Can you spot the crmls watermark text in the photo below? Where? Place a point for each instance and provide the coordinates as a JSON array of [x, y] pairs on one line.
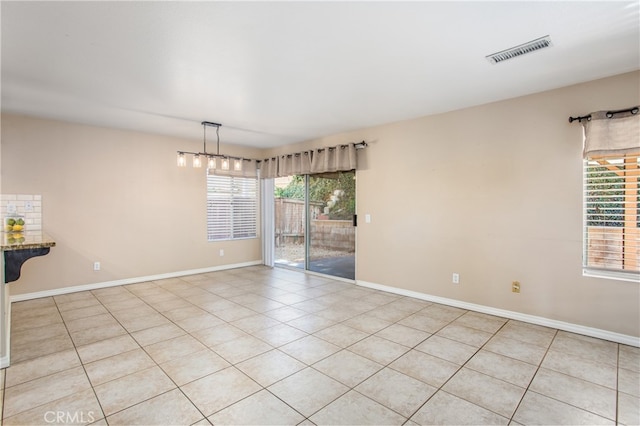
[[67, 417]]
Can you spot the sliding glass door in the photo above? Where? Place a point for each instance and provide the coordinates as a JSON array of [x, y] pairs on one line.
[[314, 223], [332, 234], [290, 221]]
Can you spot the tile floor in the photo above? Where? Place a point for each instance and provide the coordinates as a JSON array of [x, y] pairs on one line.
[[274, 346]]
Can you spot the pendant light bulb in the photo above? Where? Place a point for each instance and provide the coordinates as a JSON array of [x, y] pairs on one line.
[[211, 162], [196, 161], [225, 164], [237, 165], [182, 162]]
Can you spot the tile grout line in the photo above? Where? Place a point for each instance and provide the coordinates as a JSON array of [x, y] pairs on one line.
[[179, 388], [139, 347], [534, 375], [388, 365], [306, 366], [471, 357], [80, 359], [581, 379], [128, 334], [51, 374], [262, 388], [152, 359], [231, 365], [456, 372]]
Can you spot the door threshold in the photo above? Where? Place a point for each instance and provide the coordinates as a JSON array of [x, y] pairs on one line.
[[317, 274]]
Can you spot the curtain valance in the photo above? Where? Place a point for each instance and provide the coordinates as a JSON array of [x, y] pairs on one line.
[[269, 168], [339, 158], [611, 132], [295, 164]]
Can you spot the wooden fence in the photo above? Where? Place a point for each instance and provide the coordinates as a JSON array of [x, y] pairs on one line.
[[337, 235], [608, 247], [290, 220]]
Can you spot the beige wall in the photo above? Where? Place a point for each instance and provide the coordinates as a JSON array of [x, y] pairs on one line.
[[111, 196], [493, 193]]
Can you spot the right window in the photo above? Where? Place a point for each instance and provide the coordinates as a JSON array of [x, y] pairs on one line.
[[612, 219]]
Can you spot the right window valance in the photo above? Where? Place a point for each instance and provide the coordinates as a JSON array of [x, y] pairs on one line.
[[612, 193], [611, 132]]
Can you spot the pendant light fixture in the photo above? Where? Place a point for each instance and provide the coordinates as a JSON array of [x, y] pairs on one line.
[[182, 161], [226, 163]]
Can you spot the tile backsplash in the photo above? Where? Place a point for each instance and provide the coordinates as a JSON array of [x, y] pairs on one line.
[[29, 206]]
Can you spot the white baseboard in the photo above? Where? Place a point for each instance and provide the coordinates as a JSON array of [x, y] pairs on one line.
[[125, 281], [5, 360], [546, 322]]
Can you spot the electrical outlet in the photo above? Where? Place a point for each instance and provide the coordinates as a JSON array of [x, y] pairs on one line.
[[11, 208], [28, 206], [96, 266], [221, 252], [515, 286], [455, 278]]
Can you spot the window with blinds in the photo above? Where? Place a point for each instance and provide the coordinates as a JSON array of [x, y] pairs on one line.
[[232, 205], [612, 222]]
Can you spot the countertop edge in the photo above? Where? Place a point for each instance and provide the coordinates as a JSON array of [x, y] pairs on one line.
[[33, 240]]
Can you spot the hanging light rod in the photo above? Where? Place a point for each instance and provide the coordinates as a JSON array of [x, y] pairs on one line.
[[226, 162], [211, 124]]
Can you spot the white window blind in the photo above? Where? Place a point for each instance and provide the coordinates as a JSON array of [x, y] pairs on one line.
[[232, 204], [612, 223]]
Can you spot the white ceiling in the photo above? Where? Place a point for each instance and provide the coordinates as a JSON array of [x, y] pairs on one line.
[[275, 73]]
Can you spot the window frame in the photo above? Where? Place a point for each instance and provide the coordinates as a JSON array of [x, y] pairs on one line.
[[234, 193], [629, 198]]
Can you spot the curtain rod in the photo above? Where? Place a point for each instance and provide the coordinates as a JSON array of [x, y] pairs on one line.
[[357, 145], [609, 114], [584, 117]]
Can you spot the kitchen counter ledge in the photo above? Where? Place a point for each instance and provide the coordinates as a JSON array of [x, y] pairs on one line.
[[32, 240], [17, 248]]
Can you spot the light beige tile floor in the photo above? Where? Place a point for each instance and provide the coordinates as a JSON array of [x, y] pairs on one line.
[[274, 346]]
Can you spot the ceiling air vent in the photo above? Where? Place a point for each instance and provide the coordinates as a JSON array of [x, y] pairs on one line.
[[531, 46]]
